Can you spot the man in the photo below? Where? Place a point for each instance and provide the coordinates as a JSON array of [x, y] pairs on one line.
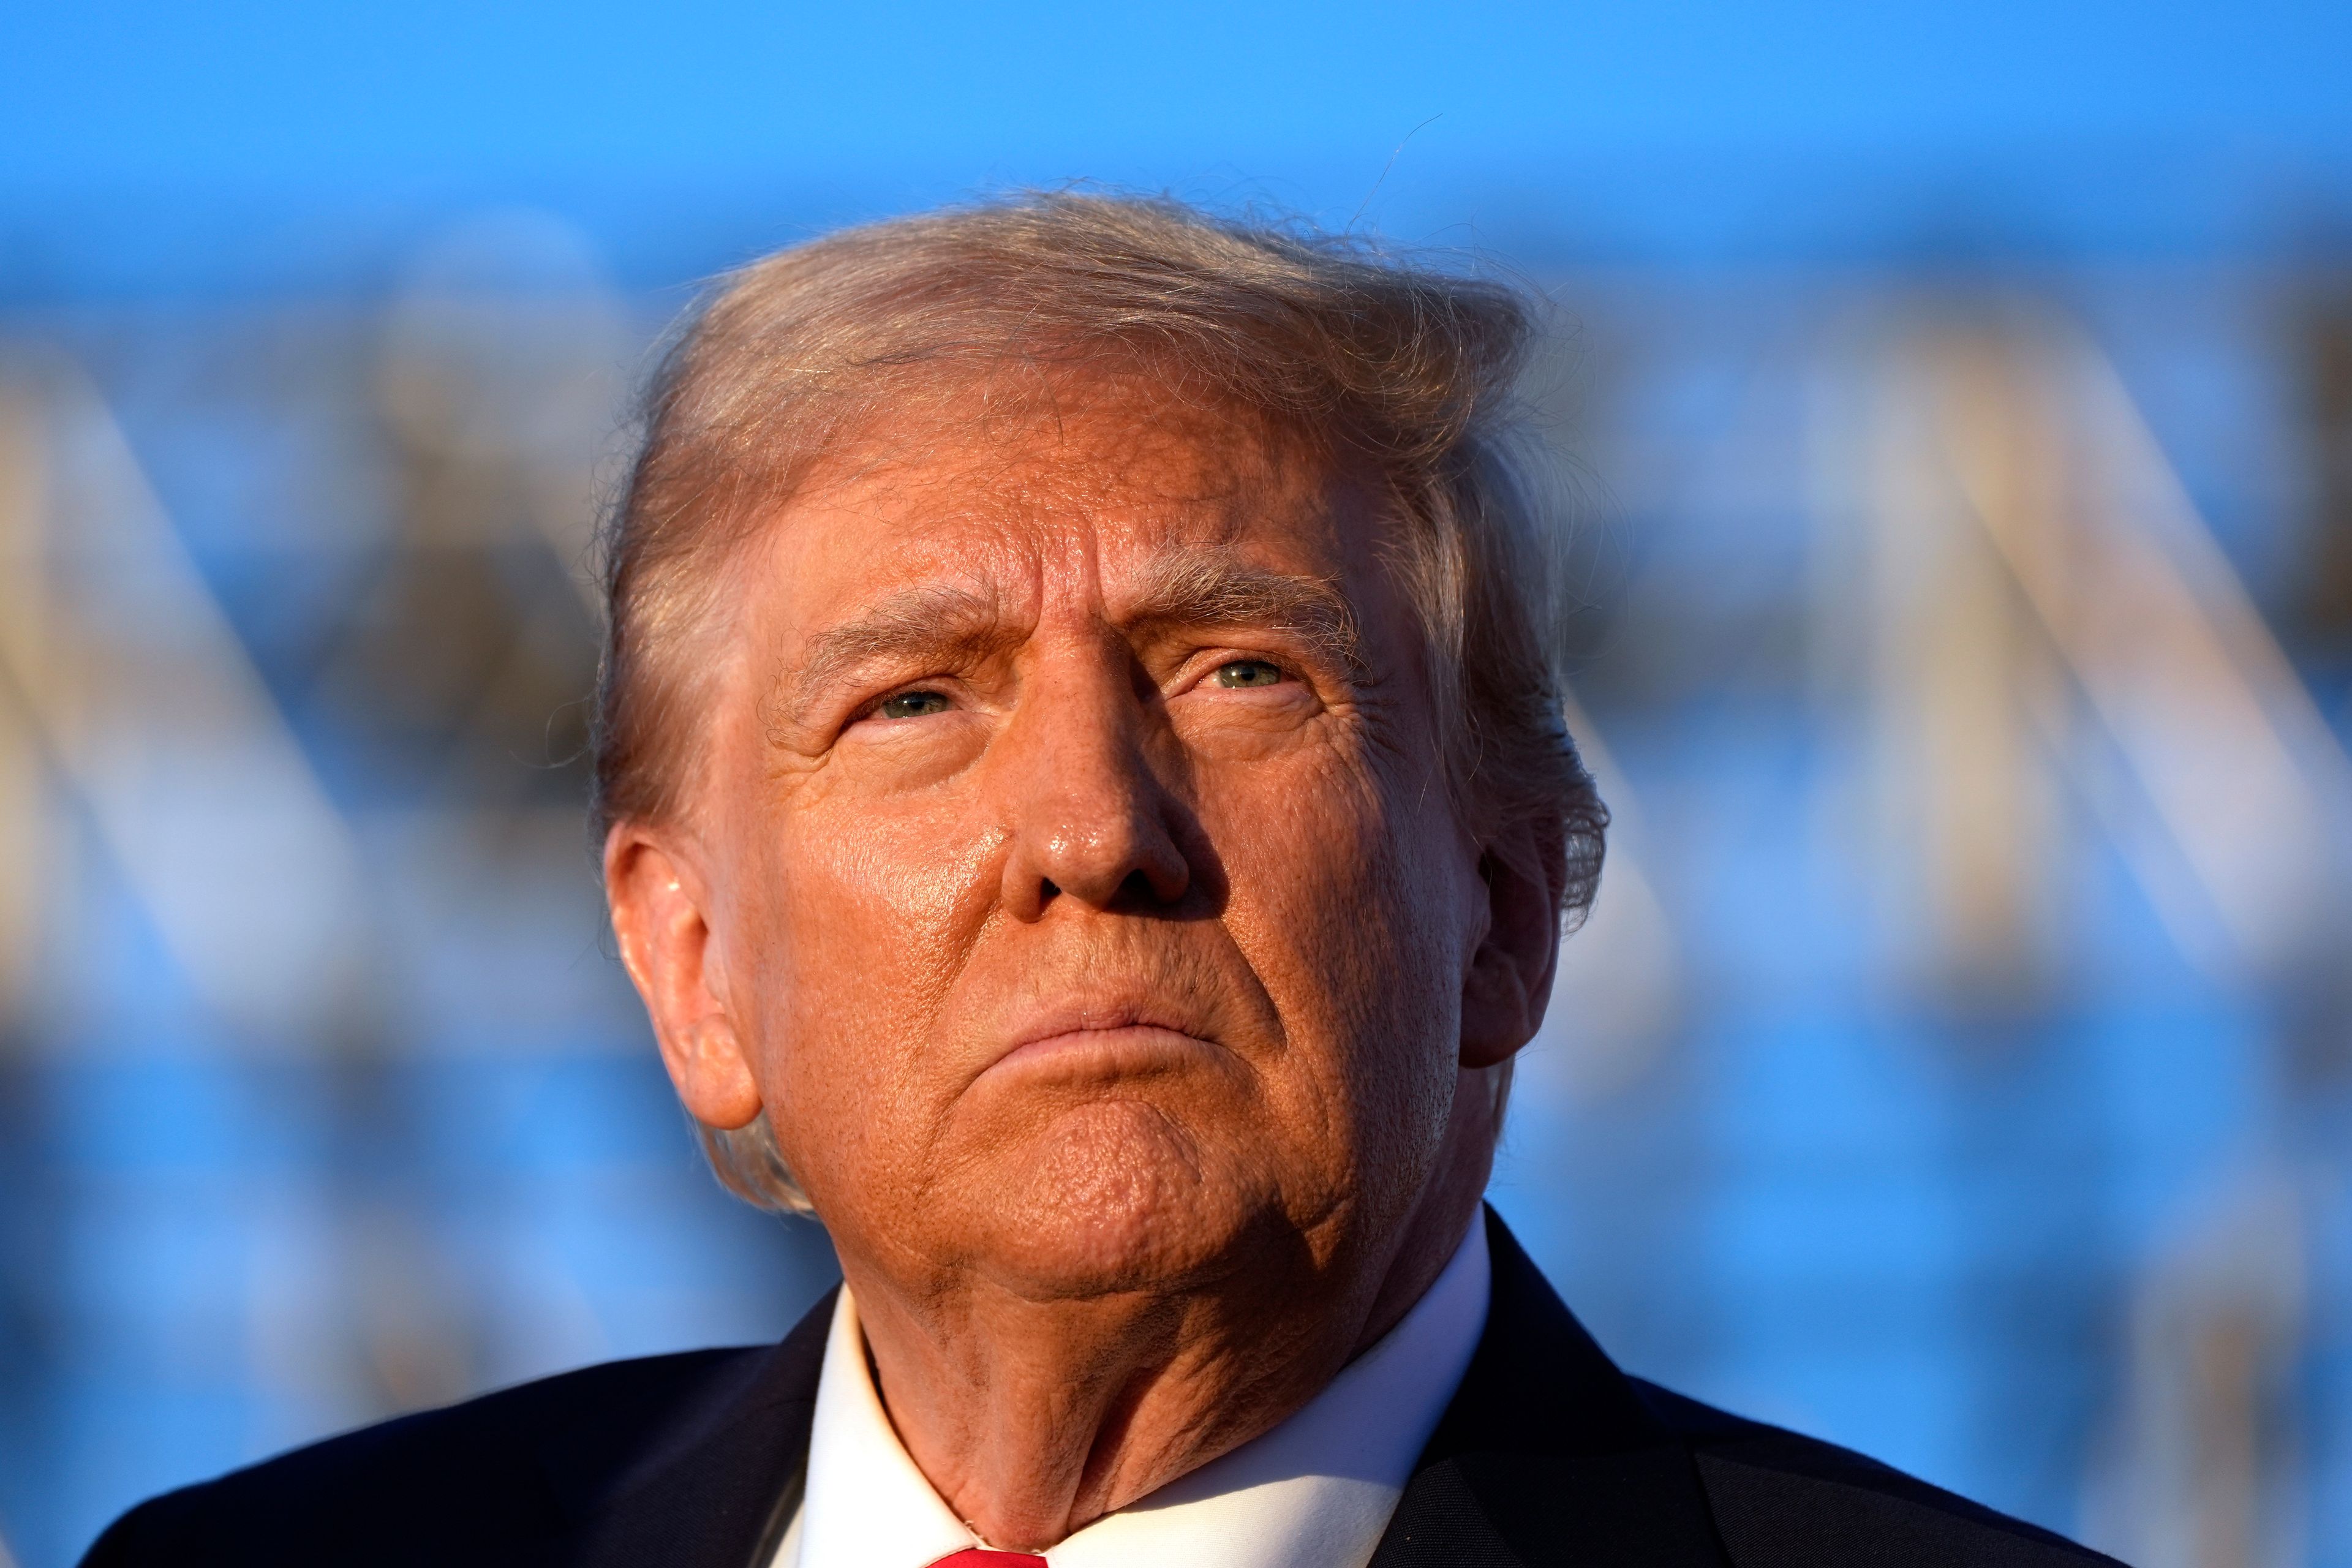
[[1086, 805]]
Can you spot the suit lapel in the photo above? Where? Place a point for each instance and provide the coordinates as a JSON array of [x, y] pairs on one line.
[[1547, 1453], [715, 1484]]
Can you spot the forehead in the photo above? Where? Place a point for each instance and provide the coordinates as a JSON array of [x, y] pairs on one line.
[[1079, 481]]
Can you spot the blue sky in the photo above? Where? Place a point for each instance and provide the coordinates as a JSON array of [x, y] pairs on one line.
[[148, 145]]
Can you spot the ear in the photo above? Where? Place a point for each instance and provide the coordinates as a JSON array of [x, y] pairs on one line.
[[661, 918], [1509, 983]]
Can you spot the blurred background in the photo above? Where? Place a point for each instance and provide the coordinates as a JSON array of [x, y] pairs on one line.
[[1958, 1064]]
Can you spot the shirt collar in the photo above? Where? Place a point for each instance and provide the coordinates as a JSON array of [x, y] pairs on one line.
[[1318, 1487]]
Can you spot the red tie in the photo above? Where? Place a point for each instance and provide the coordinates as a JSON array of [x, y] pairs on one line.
[[981, 1557]]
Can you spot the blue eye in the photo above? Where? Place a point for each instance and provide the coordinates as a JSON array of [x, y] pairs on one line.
[[1248, 672], [912, 705]]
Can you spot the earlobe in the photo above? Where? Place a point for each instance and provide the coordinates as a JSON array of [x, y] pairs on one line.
[[713, 1074], [1509, 983], [661, 919]]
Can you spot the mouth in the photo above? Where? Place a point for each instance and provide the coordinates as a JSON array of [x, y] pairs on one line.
[[1099, 1045]]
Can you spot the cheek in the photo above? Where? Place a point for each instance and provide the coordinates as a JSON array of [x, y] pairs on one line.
[[1347, 903], [865, 919], [1329, 857]]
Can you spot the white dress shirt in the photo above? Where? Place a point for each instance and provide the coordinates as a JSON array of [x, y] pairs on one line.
[[1315, 1492]]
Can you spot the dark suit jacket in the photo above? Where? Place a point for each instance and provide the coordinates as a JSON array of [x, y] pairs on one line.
[[1548, 1454]]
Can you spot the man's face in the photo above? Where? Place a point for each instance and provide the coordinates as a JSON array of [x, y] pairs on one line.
[[1082, 883]]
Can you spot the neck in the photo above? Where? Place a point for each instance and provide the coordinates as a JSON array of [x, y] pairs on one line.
[[1032, 1418]]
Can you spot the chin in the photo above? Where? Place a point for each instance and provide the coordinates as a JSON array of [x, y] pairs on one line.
[[1112, 1197]]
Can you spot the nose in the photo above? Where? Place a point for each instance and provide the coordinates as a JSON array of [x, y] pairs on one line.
[[1087, 817]]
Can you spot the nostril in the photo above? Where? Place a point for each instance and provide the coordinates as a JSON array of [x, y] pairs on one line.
[[1138, 892], [1045, 888]]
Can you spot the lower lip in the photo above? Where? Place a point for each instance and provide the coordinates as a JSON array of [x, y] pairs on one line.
[[1134, 1050]]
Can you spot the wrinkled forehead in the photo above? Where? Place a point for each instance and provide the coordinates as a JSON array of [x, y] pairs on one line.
[[1074, 486]]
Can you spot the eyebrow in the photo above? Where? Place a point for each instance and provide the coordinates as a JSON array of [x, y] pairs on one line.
[[933, 624], [1211, 588], [941, 625]]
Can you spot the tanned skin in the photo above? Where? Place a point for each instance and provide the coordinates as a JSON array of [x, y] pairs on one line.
[[1069, 874]]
